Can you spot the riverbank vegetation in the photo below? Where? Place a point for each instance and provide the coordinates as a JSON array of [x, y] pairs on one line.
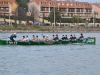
[[23, 28]]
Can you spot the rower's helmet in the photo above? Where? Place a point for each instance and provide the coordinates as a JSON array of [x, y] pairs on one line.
[[14, 33]]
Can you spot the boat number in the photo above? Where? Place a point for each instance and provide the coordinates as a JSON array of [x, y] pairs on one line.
[[90, 40], [11, 43]]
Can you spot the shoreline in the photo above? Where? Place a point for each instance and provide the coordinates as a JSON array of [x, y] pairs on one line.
[[32, 31]]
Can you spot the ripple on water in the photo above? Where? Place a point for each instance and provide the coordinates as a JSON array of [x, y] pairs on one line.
[[51, 59]]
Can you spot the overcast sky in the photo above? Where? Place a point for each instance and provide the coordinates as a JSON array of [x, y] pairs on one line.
[[93, 1]]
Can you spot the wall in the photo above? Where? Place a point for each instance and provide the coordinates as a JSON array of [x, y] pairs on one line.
[[14, 7]]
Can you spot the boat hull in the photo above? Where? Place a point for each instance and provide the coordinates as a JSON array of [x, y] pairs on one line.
[[85, 41]]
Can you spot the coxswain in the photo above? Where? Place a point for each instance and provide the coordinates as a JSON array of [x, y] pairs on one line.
[[13, 36]]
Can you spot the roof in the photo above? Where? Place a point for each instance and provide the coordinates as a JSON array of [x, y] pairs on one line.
[[97, 4], [67, 4], [11, 1], [63, 4], [8, 1]]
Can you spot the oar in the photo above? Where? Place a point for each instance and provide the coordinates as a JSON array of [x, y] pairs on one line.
[[4, 38]]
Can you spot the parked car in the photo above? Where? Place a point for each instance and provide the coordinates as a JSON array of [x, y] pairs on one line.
[[82, 25], [2, 22], [47, 24], [37, 23], [30, 23]]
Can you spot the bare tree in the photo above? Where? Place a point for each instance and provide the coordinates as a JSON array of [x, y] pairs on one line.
[[34, 14]]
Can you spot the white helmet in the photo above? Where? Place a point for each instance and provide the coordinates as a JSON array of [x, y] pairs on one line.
[[15, 33]]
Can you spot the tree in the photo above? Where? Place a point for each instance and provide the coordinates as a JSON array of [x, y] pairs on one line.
[[57, 16], [23, 3], [33, 13], [74, 19]]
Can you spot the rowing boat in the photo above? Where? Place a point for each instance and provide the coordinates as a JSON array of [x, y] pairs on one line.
[[84, 41]]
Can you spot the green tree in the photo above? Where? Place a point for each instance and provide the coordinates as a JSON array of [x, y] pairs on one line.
[[57, 16], [22, 3], [74, 19]]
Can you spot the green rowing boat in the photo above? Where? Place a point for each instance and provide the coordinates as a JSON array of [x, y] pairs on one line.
[[85, 41]]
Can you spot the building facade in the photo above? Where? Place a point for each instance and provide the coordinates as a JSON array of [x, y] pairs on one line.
[[8, 6], [68, 9]]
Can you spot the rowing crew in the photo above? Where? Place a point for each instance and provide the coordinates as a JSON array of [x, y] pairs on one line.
[[54, 37]]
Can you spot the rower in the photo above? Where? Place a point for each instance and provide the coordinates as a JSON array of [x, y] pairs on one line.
[[56, 38], [81, 36], [63, 38], [53, 36], [26, 39], [36, 39], [71, 37], [13, 36], [74, 37], [46, 38], [43, 39], [23, 39], [33, 39]]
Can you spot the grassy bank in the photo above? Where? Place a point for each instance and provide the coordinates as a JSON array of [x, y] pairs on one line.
[[22, 28]]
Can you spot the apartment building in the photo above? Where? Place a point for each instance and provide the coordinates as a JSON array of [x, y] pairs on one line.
[[8, 6], [67, 9], [96, 9]]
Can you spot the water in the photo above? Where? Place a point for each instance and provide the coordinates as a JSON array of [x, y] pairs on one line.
[[50, 60]]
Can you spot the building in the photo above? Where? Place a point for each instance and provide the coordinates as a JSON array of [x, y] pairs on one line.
[[96, 9], [8, 6], [67, 8]]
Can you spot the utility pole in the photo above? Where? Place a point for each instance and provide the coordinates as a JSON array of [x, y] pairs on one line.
[[9, 12], [54, 15], [93, 16]]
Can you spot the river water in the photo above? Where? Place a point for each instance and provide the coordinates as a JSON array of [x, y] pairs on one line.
[[51, 59]]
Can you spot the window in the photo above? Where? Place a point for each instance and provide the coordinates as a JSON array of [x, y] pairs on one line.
[[1, 8], [7, 8], [1, 2], [43, 9]]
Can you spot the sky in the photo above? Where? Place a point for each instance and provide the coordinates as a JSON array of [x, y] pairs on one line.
[[93, 1]]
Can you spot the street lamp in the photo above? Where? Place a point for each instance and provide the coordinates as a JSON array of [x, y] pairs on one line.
[[93, 16], [54, 15], [67, 11], [9, 12]]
